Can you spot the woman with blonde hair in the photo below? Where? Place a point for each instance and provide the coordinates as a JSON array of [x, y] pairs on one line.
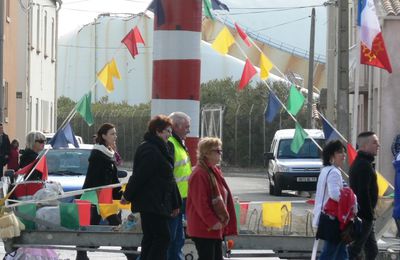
[[209, 207]]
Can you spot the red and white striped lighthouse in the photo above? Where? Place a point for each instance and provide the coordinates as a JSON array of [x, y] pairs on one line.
[[177, 62]]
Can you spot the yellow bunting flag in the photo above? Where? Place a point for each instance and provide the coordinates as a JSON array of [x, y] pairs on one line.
[[383, 184], [223, 41], [107, 73], [276, 214], [265, 66], [107, 210]]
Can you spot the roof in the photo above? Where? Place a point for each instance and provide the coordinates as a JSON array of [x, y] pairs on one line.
[[391, 7], [289, 133]]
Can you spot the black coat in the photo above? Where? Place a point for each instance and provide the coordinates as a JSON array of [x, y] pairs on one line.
[[27, 157], [102, 170], [363, 182], [152, 187], [4, 148]]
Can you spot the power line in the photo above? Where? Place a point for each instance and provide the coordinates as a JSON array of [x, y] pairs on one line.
[[281, 24], [274, 9]]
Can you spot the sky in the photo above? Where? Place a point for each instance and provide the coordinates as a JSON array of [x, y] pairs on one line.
[[280, 21]]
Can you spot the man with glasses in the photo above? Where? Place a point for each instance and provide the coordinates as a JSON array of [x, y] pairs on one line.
[[4, 148], [182, 170]]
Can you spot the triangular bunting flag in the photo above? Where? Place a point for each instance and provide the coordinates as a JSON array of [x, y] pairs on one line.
[[106, 75], [273, 107], [90, 196], [265, 66], [223, 41], [242, 35], [329, 133], [207, 9], [69, 217], [157, 8], [295, 101], [132, 39], [63, 137], [351, 154], [248, 72], [105, 196], [298, 140], [84, 211], [217, 5], [84, 108]]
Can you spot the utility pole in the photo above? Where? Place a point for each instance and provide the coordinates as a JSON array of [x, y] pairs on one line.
[[331, 60], [311, 71], [343, 121]]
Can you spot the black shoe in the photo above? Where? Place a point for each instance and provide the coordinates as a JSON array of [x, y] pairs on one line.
[[81, 255]]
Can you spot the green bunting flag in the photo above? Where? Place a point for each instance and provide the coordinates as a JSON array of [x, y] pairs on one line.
[[298, 140], [83, 107], [295, 101], [69, 216], [207, 9], [90, 196], [30, 210]]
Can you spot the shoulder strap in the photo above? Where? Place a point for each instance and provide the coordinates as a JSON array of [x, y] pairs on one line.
[[325, 186]]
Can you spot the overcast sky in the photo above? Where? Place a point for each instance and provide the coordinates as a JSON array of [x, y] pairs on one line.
[[286, 21]]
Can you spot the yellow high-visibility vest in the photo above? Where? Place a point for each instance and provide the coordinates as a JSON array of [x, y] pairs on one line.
[[182, 167]]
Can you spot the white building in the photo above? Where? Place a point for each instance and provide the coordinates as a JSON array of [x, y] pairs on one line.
[[36, 92]]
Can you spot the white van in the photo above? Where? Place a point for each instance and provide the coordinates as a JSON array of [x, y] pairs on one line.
[[289, 171]]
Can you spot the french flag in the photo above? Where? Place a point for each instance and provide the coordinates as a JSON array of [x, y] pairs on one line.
[[373, 49]]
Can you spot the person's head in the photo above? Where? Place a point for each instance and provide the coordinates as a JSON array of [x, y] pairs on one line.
[[14, 143], [35, 140], [161, 126], [334, 153], [180, 124], [209, 150], [106, 135], [368, 142]]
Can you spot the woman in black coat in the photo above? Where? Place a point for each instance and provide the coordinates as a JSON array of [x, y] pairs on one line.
[[152, 188]]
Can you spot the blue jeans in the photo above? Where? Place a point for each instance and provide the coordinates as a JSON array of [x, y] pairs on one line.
[[175, 251], [333, 251]]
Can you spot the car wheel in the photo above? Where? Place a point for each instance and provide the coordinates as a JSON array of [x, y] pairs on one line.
[[277, 187]]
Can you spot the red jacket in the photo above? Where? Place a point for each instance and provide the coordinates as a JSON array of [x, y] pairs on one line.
[[199, 211], [345, 210]]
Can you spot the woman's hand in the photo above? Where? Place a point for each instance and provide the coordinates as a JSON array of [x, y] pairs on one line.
[[217, 226], [123, 201], [175, 212]]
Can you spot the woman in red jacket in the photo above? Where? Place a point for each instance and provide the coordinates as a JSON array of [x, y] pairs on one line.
[[209, 207]]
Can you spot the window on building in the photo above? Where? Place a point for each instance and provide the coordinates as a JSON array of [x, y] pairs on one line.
[[38, 29], [31, 41], [45, 36], [8, 11], [53, 40]]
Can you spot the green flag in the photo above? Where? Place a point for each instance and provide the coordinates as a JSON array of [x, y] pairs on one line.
[[69, 217], [84, 108], [30, 210], [90, 196], [295, 101], [298, 140], [207, 9]]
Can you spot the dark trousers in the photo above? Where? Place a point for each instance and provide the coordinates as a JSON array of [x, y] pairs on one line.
[[208, 249], [366, 242], [156, 236]]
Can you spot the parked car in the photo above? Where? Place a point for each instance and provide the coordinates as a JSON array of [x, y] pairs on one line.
[[290, 171], [68, 166]]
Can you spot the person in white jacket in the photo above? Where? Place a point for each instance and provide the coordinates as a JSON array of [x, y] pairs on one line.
[[330, 182]]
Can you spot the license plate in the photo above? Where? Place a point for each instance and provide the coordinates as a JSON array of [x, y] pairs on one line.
[[306, 179]]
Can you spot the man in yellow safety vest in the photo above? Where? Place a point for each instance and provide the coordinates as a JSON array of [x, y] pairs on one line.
[[182, 170]]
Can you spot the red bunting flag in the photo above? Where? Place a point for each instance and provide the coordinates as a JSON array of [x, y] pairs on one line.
[[84, 207], [244, 208], [132, 39], [242, 35], [105, 196], [351, 153], [40, 167], [248, 72]]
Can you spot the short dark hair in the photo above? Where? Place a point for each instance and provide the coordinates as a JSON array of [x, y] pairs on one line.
[[330, 149], [158, 124], [103, 131], [366, 134]]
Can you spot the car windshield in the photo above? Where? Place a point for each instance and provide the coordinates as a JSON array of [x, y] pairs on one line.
[[67, 161], [308, 150]]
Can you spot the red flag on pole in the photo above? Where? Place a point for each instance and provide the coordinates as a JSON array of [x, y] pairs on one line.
[[351, 153], [242, 35], [248, 72], [40, 167], [132, 39]]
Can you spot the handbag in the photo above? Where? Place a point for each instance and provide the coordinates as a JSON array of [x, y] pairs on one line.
[[328, 226], [352, 231], [217, 202]]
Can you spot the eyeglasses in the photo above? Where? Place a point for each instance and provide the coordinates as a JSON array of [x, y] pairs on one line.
[[40, 141], [219, 151], [169, 130]]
